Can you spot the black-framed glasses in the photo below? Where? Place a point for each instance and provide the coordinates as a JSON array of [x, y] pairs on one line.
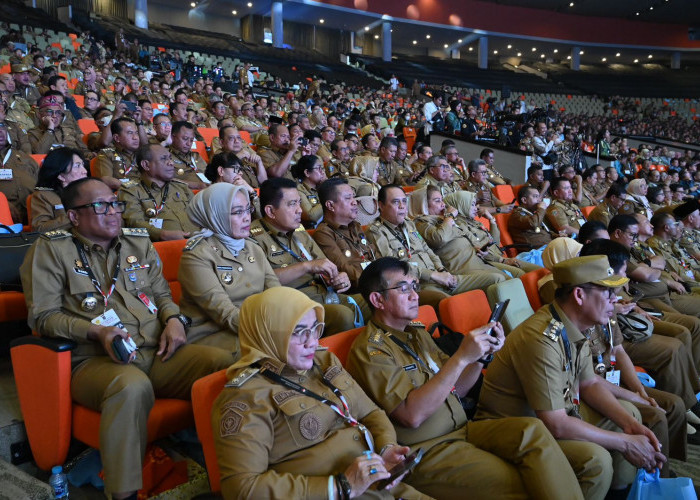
[[609, 292], [634, 236], [102, 207], [404, 287]]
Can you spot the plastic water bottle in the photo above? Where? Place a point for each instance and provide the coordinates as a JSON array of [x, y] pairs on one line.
[[59, 482]]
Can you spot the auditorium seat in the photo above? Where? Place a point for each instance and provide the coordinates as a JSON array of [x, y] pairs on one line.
[[204, 393], [530, 283], [170, 253], [465, 311], [340, 343]]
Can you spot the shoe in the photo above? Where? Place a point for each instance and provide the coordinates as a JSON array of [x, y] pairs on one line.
[[692, 418], [690, 429]]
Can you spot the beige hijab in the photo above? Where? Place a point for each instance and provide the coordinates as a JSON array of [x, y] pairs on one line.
[[364, 166], [418, 203], [462, 201], [558, 250], [267, 320], [210, 209]]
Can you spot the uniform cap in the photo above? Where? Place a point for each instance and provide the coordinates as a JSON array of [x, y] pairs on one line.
[[687, 208], [593, 269], [19, 68]]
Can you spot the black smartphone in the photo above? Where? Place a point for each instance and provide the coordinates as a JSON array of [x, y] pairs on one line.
[[130, 106], [303, 141], [120, 349], [496, 316], [485, 247], [406, 466]]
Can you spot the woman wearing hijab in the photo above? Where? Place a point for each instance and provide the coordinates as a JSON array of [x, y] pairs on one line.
[[558, 250], [309, 173], [219, 269], [438, 225], [637, 202], [291, 422]]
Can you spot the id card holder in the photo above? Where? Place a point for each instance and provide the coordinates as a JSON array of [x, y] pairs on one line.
[[108, 318], [203, 178], [124, 181], [613, 377], [363, 265], [5, 174], [157, 223], [147, 302], [581, 222]]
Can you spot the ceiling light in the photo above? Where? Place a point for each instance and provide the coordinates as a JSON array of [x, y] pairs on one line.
[[520, 54], [193, 5], [366, 28], [234, 12], [446, 45], [534, 49], [617, 55], [510, 46], [541, 56], [580, 53], [495, 52], [321, 21], [568, 58], [604, 59], [427, 36], [571, 4], [650, 56], [636, 13], [459, 41], [415, 42], [250, 4], [636, 60], [471, 48], [556, 51], [376, 37], [651, 8]]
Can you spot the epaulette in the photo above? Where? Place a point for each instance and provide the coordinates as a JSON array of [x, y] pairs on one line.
[[301, 228], [43, 189], [376, 338], [243, 377], [192, 242], [254, 231], [130, 183], [417, 324], [178, 181], [377, 223], [56, 234], [553, 330], [134, 231]]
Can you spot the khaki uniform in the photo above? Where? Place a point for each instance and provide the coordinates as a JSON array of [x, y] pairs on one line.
[[690, 242], [406, 172], [532, 373], [406, 243], [29, 93], [270, 156], [18, 112], [215, 283], [42, 139], [529, 228], [603, 213], [444, 187], [633, 206], [347, 247], [564, 213], [273, 442], [339, 317], [55, 287], [325, 152], [118, 163], [19, 173], [337, 167], [590, 196], [311, 208], [188, 165], [18, 137], [495, 177], [677, 259], [666, 422], [47, 212], [81, 88], [484, 195], [389, 173], [365, 166], [461, 175], [144, 197], [485, 456]]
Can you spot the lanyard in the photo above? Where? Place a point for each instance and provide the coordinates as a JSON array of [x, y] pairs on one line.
[[158, 208], [564, 336], [354, 245], [7, 156], [405, 241], [91, 275], [285, 247], [527, 212], [343, 412]]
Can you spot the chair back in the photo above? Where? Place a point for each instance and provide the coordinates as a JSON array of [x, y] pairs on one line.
[[340, 343], [465, 311], [519, 308], [170, 253], [530, 283]]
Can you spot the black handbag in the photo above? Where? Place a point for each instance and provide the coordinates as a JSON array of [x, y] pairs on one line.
[[13, 248], [448, 341]]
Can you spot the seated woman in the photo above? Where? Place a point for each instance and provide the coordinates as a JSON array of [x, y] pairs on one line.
[[274, 441], [219, 268], [637, 202], [309, 173], [60, 167], [438, 226], [656, 198], [227, 167], [558, 250]]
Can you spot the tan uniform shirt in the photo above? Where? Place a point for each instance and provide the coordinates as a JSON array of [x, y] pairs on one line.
[[653, 289], [677, 258], [311, 209], [529, 227], [188, 165], [29, 93], [118, 163], [215, 283], [337, 167], [47, 212], [18, 137], [149, 206], [690, 242], [17, 180], [444, 187], [484, 195], [42, 139], [346, 246], [18, 112], [560, 214], [603, 213], [56, 283], [270, 156]]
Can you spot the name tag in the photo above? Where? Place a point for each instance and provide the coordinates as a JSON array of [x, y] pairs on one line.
[[58, 207], [124, 181], [203, 178], [410, 367], [108, 318], [157, 223], [581, 222], [363, 265], [689, 274], [613, 377], [5, 174]]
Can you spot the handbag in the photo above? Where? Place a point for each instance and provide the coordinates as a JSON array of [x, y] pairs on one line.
[[634, 327], [367, 210], [13, 248], [649, 486]]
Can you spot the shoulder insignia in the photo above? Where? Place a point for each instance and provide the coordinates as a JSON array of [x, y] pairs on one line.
[[376, 338], [192, 242], [178, 181], [56, 234], [242, 377], [377, 353], [254, 231], [377, 223], [332, 372], [231, 418], [134, 231], [553, 330], [301, 229], [417, 324], [131, 183], [283, 396]]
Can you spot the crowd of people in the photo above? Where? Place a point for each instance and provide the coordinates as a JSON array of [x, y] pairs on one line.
[[310, 214]]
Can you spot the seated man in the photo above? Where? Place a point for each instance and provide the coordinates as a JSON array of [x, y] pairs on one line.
[[665, 242], [478, 183], [157, 202], [188, 164], [439, 175], [252, 169], [402, 370], [68, 277], [50, 131], [339, 164], [296, 259], [283, 151], [388, 168], [562, 215], [495, 177], [545, 370], [535, 179], [526, 223], [340, 236], [118, 164], [395, 236], [689, 214], [19, 175], [614, 199]]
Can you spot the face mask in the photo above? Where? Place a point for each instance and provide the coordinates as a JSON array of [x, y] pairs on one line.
[[106, 120]]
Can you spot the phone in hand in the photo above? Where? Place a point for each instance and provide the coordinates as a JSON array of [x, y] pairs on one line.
[[406, 466], [496, 316], [130, 106], [485, 247]]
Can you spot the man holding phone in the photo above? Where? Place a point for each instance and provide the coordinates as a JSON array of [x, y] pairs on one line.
[[402, 370]]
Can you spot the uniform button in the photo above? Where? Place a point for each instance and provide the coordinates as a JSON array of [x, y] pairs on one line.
[[302, 379], [324, 394], [302, 405], [356, 437]]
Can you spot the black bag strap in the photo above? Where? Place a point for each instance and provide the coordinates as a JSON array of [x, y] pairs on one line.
[[442, 328]]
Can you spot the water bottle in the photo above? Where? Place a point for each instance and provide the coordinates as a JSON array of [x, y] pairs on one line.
[[59, 482]]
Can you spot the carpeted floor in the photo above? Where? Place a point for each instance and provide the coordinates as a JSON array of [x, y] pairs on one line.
[[690, 468]]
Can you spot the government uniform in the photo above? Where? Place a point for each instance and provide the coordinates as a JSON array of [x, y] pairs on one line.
[[678, 260], [564, 213], [337, 167], [273, 442], [17, 137], [43, 140], [47, 211], [18, 173], [346, 246], [530, 228], [29, 93], [62, 301], [18, 112], [444, 187], [188, 166], [458, 454], [532, 372], [340, 316], [156, 208], [215, 283], [271, 156], [311, 208], [118, 163], [460, 176], [603, 212], [484, 195], [405, 243], [690, 242], [389, 172]]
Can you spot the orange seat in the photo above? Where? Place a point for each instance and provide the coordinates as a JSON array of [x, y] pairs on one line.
[[504, 192], [340, 343], [586, 211], [204, 393], [79, 100], [208, 135], [170, 253], [93, 167], [5, 214], [484, 222], [516, 189], [12, 306], [409, 133], [38, 159], [87, 125], [246, 137], [465, 311], [29, 210], [530, 283], [5, 69], [201, 148], [506, 238], [427, 315], [408, 189], [42, 372]]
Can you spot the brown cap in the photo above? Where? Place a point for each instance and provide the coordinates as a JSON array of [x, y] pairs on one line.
[[593, 269], [19, 68], [687, 208]]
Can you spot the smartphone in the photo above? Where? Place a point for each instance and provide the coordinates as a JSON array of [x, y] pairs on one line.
[[485, 247], [496, 316], [130, 106], [406, 466], [303, 141]]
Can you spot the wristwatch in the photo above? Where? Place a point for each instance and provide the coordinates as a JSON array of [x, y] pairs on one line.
[[498, 210], [186, 322]]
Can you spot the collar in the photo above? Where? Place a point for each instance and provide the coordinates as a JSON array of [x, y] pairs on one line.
[[89, 245], [406, 335], [392, 226], [572, 331]]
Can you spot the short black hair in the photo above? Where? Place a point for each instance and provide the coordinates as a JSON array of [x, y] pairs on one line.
[[621, 222], [617, 253], [525, 190], [55, 78], [615, 189], [372, 278], [71, 193], [660, 218], [271, 191], [224, 160], [365, 139], [311, 134], [328, 190], [485, 152], [589, 229], [381, 197], [474, 165], [532, 169], [388, 142], [179, 125], [144, 153], [306, 162], [556, 182], [116, 125], [56, 162]]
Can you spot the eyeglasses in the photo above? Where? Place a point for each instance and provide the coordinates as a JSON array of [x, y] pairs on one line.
[[102, 207], [242, 211], [608, 292], [404, 287], [304, 335], [634, 236]]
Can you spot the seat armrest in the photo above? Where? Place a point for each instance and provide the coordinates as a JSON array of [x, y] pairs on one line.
[[53, 344]]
